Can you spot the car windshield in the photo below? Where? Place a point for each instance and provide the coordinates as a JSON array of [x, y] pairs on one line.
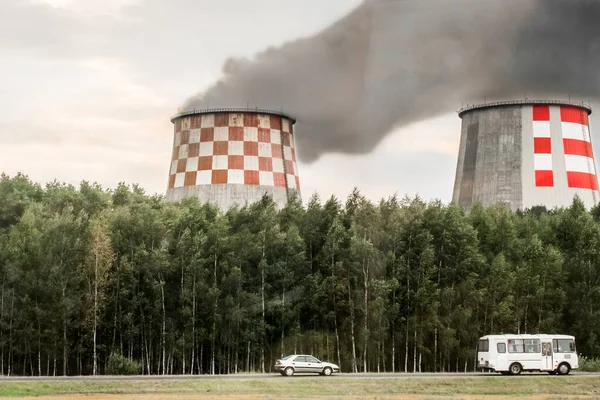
[[286, 357]]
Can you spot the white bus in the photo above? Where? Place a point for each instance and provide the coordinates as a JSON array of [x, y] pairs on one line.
[[512, 354]]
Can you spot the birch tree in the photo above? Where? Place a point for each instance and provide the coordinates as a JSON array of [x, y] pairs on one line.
[[98, 261]]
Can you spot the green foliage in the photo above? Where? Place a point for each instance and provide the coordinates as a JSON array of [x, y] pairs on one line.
[[120, 365], [88, 275], [589, 364]]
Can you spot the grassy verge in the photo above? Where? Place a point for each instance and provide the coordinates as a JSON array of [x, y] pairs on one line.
[[302, 387]]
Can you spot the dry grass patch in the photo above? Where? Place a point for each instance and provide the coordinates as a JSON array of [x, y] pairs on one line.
[[532, 387]]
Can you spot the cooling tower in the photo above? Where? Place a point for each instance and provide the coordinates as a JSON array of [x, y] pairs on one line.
[[233, 157], [524, 154]]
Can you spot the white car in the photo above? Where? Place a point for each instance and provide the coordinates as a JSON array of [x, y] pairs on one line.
[[304, 364]]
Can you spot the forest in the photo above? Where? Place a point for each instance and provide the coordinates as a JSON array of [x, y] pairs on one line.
[[400, 285]]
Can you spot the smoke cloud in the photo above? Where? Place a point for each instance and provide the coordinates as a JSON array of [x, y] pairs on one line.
[[389, 63]]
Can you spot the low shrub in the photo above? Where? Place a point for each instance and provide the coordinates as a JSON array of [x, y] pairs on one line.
[[121, 365], [589, 364]]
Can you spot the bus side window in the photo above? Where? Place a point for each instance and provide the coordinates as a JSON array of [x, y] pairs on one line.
[[516, 346], [532, 346], [501, 347]]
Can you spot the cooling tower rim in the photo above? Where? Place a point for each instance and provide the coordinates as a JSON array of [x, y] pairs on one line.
[[579, 104], [232, 110]]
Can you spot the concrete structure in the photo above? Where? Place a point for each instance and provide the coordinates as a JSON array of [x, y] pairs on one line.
[[524, 154], [233, 157]]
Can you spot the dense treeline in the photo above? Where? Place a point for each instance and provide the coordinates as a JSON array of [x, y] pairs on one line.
[[182, 288]]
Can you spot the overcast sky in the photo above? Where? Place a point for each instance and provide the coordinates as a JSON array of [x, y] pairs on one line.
[[87, 89]]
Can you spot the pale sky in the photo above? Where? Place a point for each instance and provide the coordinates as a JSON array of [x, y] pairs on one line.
[[87, 89]]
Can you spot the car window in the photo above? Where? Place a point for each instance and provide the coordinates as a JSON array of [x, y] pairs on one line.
[[300, 359], [312, 359]]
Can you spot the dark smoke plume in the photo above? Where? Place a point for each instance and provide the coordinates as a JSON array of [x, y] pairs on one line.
[[393, 62]]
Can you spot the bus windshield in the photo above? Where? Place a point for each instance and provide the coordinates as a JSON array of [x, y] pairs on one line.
[[564, 345]]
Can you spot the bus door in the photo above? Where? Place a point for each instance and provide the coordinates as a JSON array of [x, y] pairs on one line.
[[547, 362]]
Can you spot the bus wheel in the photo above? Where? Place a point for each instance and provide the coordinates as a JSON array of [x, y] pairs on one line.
[[564, 369], [515, 369]]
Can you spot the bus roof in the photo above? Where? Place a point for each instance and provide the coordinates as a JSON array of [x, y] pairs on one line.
[[528, 336]]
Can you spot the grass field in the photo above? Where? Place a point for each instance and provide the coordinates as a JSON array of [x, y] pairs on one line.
[[337, 387]]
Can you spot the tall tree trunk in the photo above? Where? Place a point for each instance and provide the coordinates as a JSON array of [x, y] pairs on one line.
[[393, 351], [437, 314], [201, 359], [541, 304], [378, 357], [65, 353], [283, 308], [248, 359], [337, 342], [116, 317], [95, 313], [213, 348], [352, 335], [39, 352], [525, 317], [406, 350], [435, 352], [193, 323], [79, 354], [282, 319], [183, 351], [335, 318], [143, 356], [383, 356], [262, 298], [415, 350], [214, 327], [164, 324], [366, 312], [407, 307], [236, 359], [146, 345]]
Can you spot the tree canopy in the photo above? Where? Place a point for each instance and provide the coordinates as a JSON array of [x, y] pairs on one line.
[[182, 288]]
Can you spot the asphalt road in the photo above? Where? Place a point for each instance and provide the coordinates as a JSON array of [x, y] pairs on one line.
[[277, 376]]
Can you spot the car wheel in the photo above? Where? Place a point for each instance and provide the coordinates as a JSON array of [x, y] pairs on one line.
[[289, 371], [564, 369], [327, 371], [515, 369]]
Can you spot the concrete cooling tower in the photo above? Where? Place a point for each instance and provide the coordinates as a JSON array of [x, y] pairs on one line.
[[233, 157], [524, 154]]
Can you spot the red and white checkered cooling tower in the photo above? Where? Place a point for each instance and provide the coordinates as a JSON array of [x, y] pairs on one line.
[[233, 157], [526, 153]]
